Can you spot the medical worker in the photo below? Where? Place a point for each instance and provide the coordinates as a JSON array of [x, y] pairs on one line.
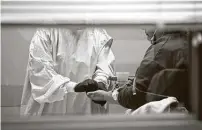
[[162, 73], [63, 66]]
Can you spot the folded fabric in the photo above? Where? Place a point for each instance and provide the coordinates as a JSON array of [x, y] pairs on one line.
[[166, 105]]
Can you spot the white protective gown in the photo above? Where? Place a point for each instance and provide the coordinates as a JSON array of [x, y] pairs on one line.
[[60, 58]]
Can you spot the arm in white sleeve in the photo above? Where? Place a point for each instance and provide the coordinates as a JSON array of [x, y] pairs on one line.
[[104, 66], [47, 85]]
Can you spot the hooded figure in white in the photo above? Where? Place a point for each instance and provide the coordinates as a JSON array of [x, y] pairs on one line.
[[59, 59]]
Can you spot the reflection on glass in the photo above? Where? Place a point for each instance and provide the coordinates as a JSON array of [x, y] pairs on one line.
[[79, 70]]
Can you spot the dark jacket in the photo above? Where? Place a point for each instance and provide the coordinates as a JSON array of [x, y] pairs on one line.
[[163, 70]]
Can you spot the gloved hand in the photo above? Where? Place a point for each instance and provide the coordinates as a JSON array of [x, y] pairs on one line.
[[86, 86], [101, 95], [101, 86], [90, 85]]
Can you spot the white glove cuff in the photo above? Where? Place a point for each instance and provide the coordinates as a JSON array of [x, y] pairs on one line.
[[70, 86], [115, 94]]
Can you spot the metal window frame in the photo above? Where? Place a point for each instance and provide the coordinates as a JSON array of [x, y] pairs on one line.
[[196, 73], [112, 122], [96, 12]]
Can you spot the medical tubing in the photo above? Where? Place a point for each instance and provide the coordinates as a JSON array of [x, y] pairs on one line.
[[145, 92]]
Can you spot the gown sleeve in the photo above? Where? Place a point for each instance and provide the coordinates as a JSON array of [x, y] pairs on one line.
[[105, 63], [47, 85], [133, 96]]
